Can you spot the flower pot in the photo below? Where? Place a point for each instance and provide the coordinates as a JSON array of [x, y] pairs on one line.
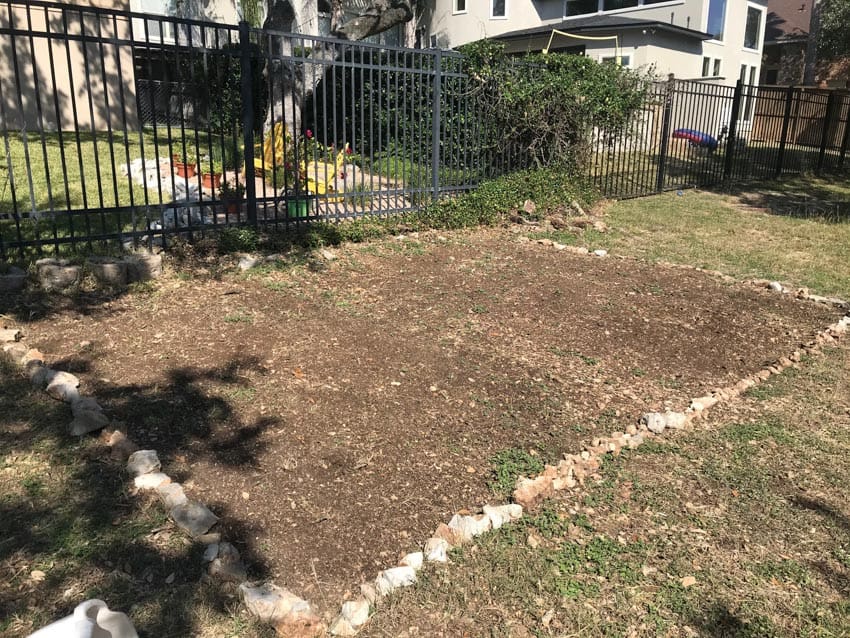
[[211, 180], [231, 206], [300, 207], [184, 170]]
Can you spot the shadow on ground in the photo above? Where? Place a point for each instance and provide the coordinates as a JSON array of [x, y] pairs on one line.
[[66, 513]]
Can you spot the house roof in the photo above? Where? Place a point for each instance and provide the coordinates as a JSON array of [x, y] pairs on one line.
[[603, 23], [787, 20]]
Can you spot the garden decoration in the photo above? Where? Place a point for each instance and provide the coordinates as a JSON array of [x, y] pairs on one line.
[[696, 138]]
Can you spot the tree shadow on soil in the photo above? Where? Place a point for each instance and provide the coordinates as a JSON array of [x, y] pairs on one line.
[[719, 622], [78, 522]]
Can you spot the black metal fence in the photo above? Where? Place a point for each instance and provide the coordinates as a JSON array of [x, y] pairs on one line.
[[701, 134], [126, 128]]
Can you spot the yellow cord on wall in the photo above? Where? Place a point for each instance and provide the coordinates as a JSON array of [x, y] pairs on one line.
[[617, 57]]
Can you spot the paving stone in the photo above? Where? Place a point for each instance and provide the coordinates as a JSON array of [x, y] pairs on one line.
[[192, 517], [356, 611]]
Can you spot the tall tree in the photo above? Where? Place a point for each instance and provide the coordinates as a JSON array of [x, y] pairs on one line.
[[292, 84]]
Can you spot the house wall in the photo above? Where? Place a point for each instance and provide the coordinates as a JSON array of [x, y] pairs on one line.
[[45, 80], [667, 52]]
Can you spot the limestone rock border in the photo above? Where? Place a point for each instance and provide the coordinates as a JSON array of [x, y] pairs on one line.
[[294, 616]]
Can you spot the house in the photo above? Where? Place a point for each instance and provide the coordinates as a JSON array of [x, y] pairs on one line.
[[715, 40], [785, 40]]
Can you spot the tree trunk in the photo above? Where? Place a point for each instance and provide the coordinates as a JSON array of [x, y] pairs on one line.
[[292, 83], [811, 63]]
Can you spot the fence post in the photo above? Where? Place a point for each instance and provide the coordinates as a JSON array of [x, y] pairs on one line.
[[846, 139], [731, 138], [435, 125], [666, 122], [827, 122], [786, 124], [246, 90]]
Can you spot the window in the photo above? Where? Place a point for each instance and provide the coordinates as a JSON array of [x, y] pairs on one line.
[[771, 77], [580, 7], [613, 5], [587, 7], [716, 18], [710, 67], [498, 9], [460, 6], [624, 60], [752, 34]]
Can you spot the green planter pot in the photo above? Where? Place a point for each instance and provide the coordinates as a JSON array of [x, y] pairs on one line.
[[299, 207]]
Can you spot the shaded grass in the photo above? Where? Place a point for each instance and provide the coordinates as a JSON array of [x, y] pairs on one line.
[[65, 511], [715, 232]]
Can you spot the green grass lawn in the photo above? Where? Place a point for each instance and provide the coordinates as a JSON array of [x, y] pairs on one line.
[[739, 234]]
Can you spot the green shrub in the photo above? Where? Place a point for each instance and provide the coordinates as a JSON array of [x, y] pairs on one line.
[[232, 240]]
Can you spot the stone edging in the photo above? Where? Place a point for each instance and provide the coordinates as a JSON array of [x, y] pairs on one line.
[[294, 616]]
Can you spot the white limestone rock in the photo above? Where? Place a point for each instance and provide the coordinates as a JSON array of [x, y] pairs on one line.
[[151, 480], [414, 560], [501, 514], [436, 550], [394, 578], [468, 527], [273, 604], [142, 462], [171, 495], [194, 518]]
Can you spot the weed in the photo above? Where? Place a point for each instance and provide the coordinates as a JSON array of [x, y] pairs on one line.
[[238, 317], [508, 466]]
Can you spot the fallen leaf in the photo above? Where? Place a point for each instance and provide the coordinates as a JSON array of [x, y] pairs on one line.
[[37, 575], [298, 373], [170, 578], [687, 581]]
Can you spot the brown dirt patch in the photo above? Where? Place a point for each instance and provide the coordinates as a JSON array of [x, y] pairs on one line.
[[335, 416]]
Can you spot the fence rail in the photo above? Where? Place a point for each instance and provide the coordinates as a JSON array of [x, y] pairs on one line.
[[105, 114]]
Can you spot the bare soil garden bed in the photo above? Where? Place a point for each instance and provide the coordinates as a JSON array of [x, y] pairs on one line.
[[335, 412]]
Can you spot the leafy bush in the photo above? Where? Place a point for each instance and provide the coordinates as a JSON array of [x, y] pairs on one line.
[[232, 240], [540, 110]]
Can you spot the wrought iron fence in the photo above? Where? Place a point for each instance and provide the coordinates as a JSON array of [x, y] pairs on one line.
[[125, 128], [701, 134]]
